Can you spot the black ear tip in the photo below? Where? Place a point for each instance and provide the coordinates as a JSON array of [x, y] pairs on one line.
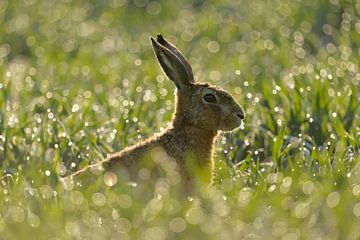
[[160, 39], [153, 40]]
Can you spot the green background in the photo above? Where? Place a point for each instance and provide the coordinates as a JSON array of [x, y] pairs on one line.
[[78, 80]]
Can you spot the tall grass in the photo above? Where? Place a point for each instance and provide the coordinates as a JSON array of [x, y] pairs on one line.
[[79, 81]]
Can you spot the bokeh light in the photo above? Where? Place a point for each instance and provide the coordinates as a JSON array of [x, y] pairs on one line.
[[79, 80]]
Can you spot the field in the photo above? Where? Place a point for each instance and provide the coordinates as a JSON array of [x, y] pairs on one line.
[[79, 80]]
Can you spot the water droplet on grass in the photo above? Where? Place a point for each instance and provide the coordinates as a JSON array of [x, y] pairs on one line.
[[356, 209], [272, 188], [46, 191], [195, 215], [110, 179], [16, 213], [356, 190], [308, 187], [177, 225], [98, 199], [75, 108], [33, 220], [333, 199], [301, 210]]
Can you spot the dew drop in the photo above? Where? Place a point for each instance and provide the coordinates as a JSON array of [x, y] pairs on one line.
[[333, 199], [301, 210], [356, 210], [98, 199], [16, 213], [110, 179], [177, 225], [33, 220]]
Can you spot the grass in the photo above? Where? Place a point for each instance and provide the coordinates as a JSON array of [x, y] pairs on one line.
[[79, 80]]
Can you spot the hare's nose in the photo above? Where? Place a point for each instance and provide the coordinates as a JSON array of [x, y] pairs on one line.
[[240, 114]]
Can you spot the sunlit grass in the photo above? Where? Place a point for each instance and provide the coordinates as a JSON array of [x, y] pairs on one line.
[[79, 81]]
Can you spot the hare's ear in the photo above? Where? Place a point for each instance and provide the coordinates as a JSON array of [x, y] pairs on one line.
[[172, 62], [177, 53]]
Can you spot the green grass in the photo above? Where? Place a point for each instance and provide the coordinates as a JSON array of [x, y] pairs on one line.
[[79, 81]]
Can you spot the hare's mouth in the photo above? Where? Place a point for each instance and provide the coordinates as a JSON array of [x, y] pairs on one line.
[[231, 123]]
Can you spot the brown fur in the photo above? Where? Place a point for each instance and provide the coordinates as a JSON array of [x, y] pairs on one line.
[[196, 122]]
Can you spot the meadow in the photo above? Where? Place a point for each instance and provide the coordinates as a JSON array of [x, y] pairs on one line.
[[79, 80]]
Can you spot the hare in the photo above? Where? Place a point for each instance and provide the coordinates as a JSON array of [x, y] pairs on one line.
[[201, 111]]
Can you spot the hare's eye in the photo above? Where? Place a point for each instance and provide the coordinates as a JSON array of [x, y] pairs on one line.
[[210, 98]]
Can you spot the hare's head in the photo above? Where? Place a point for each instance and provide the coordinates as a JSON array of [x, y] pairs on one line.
[[198, 104]]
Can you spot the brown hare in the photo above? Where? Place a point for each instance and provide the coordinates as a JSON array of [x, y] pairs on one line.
[[201, 112]]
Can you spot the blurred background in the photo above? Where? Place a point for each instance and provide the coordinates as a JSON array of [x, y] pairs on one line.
[[79, 80]]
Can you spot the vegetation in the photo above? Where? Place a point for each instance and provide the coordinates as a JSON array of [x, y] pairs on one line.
[[79, 81]]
